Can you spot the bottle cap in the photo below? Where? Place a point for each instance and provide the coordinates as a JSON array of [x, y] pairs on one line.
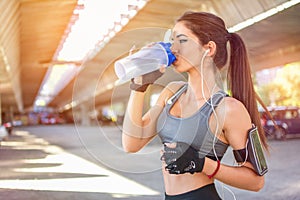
[[171, 56]]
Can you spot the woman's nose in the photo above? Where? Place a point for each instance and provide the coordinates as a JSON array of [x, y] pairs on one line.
[[173, 49]]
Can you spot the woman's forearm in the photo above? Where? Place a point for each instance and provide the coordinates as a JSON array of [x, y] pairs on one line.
[[133, 122], [139, 128], [240, 177], [133, 138]]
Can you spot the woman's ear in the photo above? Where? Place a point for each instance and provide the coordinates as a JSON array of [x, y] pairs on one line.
[[212, 47]]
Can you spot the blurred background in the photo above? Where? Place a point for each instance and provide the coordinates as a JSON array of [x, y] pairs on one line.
[[57, 59]]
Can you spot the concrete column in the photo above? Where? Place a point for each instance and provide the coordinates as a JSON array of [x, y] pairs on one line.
[[0, 110], [9, 114], [85, 119], [147, 100]]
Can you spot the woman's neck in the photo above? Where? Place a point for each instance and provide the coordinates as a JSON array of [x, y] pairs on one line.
[[203, 88]]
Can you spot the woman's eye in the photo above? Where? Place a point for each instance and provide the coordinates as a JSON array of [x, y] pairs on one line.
[[183, 40]]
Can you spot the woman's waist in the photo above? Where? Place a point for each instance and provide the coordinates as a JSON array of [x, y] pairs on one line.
[[182, 183]]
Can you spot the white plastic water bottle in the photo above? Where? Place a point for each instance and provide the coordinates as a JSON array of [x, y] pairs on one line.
[[146, 60]]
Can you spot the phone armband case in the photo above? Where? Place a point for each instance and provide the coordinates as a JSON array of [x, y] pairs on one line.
[[254, 153]]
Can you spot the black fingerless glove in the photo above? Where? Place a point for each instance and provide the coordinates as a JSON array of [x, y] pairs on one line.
[[182, 159], [147, 79]]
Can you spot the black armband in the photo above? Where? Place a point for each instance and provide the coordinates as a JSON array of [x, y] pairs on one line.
[[241, 155], [253, 153]]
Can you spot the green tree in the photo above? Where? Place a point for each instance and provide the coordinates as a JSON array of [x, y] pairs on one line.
[[284, 89]]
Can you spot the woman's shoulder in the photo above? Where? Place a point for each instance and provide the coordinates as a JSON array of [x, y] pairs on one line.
[[236, 111], [174, 86], [234, 106]]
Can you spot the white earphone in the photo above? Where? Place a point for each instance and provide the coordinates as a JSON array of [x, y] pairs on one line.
[[205, 54]]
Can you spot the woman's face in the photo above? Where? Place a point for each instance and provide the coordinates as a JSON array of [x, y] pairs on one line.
[[186, 48]]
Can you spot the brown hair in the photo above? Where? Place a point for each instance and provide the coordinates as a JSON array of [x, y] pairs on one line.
[[209, 27]]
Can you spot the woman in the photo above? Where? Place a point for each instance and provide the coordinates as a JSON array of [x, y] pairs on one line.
[[196, 120]]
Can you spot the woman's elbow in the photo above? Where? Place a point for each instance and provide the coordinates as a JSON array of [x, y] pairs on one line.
[[259, 184], [130, 149]]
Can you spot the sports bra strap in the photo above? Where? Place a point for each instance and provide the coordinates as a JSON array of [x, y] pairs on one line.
[[175, 96], [215, 100]]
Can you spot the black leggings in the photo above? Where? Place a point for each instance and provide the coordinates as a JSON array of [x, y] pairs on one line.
[[207, 192]]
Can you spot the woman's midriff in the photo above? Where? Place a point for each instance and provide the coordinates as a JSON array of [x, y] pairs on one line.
[[182, 183]]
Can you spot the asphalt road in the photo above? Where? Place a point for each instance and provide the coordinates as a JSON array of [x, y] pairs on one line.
[[69, 162]]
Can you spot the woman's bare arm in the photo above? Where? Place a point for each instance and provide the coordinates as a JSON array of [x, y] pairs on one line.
[[237, 122], [138, 130]]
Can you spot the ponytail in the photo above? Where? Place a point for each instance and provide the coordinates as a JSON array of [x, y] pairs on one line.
[[240, 82], [209, 27]]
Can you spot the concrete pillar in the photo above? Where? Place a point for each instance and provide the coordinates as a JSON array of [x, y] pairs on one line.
[[147, 99], [9, 114], [0, 110], [85, 119]]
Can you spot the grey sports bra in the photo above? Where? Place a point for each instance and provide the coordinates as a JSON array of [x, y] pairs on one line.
[[194, 129]]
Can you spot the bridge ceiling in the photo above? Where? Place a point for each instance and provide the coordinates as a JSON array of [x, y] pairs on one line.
[[31, 31]]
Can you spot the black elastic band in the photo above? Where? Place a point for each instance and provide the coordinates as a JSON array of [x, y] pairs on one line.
[[240, 155]]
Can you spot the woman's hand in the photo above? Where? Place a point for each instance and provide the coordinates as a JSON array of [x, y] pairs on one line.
[[181, 158], [141, 83]]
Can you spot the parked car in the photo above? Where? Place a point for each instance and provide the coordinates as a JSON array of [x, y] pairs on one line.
[[287, 119], [9, 127], [3, 132], [52, 119]]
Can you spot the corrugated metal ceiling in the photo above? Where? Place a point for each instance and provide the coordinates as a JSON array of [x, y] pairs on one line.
[[31, 31]]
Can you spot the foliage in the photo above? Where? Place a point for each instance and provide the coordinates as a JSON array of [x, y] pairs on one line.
[[284, 89]]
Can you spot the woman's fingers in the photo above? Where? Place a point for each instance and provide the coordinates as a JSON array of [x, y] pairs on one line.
[[171, 145], [162, 68], [132, 49]]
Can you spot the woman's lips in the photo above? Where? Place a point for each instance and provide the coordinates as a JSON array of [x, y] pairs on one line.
[[175, 62]]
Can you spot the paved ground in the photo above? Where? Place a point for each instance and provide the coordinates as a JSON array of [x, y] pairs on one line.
[[70, 163]]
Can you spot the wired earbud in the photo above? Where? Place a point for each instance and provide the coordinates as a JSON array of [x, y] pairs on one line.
[[210, 102], [206, 52]]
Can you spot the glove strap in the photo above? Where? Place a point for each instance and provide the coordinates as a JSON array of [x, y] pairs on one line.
[[138, 87]]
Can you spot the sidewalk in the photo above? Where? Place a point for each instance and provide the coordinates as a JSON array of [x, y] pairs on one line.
[[31, 168], [50, 163]]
